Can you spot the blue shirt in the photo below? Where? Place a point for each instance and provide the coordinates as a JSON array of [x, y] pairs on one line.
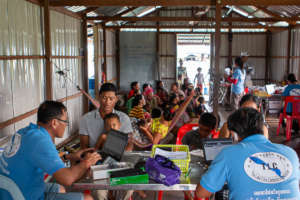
[[291, 90], [254, 169], [29, 155], [240, 75]]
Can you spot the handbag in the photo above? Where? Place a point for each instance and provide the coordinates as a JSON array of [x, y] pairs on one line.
[[163, 170]]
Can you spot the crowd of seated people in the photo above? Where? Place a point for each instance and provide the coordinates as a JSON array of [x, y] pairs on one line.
[[148, 120]]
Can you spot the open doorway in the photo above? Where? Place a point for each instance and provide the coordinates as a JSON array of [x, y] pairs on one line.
[[193, 51]]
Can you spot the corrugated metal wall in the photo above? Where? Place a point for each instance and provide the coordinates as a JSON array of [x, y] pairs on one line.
[[111, 56], [111, 69], [295, 52], [138, 59], [22, 78], [66, 45], [167, 59], [255, 45], [278, 55]]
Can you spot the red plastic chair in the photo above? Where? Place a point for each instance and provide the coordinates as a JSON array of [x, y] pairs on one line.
[[183, 130], [295, 101], [180, 134]]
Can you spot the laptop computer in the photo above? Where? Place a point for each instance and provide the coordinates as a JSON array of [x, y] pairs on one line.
[[114, 145], [212, 147], [270, 88]]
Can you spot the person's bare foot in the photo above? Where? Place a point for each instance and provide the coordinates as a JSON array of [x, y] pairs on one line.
[[142, 194]]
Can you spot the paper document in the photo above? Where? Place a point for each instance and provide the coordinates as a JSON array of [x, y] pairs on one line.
[[197, 152], [177, 155]]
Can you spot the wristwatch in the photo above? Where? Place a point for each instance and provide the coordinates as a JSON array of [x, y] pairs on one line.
[[65, 157]]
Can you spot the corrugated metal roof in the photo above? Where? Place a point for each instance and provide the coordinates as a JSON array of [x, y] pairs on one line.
[[286, 11], [75, 8], [188, 11]]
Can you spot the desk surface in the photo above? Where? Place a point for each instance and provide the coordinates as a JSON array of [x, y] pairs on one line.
[[188, 183]]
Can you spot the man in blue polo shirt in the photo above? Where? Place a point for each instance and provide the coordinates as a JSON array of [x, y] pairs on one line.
[[293, 89], [31, 153], [254, 168]]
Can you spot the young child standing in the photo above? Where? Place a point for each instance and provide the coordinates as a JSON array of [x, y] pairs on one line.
[[199, 80]]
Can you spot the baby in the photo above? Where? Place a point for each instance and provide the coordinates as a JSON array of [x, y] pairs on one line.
[[111, 121]]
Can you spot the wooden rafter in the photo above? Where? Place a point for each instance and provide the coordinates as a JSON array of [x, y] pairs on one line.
[[291, 20], [193, 27], [122, 13], [169, 2], [86, 11], [226, 19]]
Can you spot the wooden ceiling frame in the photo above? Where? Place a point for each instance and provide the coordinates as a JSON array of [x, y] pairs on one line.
[[291, 21], [97, 3], [87, 10], [173, 19], [194, 27]]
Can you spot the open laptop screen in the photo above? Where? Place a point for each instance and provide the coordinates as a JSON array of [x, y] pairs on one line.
[[115, 144], [270, 88], [212, 147]]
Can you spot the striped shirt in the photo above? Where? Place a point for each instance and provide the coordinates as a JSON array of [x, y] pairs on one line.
[[137, 112]]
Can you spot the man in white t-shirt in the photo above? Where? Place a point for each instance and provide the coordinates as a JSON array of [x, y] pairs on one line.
[[91, 127]]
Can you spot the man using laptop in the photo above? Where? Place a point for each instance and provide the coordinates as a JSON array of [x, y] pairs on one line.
[[193, 139], [254, 168]]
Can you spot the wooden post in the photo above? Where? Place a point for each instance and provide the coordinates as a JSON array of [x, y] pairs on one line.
[[157, 51], [118, 59], [104, 53], [288, 70], [268, 54], [96, 60], [85, 78], [230, 37], [49, 70], [217, 57]]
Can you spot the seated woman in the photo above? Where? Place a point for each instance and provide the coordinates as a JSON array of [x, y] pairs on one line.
[[247, 101], [135, 88], [161, 92], [174, 102], [137, 110], [151, 99], [157, 129], [175, 90]]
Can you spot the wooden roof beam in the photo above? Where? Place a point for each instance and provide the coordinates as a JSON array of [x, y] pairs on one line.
[[195, 27], [158, 18], [86, 11], [98, 3]]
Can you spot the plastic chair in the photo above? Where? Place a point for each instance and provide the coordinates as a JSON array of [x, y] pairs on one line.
[[11, 187], [183, 130], [295, 102], [180, 134]]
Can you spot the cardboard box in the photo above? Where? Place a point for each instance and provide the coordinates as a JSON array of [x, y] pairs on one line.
[[103, 171]]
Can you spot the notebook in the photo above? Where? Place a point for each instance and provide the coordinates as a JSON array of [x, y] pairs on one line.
[[212, 147]]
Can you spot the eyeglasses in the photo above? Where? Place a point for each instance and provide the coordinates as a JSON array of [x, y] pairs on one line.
[[65, 121]]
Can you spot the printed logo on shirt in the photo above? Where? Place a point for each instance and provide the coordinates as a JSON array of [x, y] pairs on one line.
[[13, 146], [268, 167], [295, 92]]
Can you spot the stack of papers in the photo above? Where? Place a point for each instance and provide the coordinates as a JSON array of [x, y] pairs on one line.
[[177, 155]]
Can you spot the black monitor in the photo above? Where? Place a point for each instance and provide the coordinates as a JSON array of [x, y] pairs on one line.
[[212, 147]]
